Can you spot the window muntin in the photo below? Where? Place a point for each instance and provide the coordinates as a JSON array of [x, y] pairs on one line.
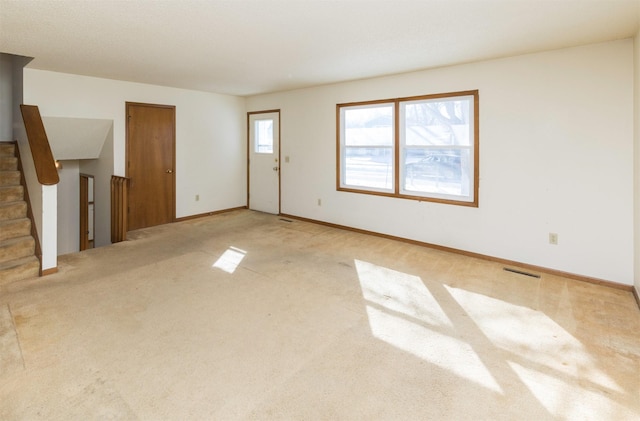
[[422, 148], [368, 147]]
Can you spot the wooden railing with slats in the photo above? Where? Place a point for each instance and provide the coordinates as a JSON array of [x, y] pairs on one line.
[[119, 208]]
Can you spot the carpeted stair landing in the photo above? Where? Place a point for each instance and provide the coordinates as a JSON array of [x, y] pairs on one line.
[[17, 246]]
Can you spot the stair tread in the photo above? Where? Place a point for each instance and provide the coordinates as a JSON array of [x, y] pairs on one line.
[[17, 247], [8, 163], [13, 221], [22, 261], [13, 210], [9, 178], [11, 193], [10, 241], [12, 228], [12, 203]]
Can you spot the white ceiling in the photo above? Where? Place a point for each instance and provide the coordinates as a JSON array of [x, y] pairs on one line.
[[246, 47]]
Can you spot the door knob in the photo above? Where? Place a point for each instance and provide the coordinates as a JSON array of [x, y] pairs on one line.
[[275, 168], [169, 171]]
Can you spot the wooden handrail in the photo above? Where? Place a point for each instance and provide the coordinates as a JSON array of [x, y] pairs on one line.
[[39, 144]]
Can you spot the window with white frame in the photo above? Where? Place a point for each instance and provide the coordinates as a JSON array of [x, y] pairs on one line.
[[423, 148]]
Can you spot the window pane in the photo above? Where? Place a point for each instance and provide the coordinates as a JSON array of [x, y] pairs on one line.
[[264, 136], [436, 148], [368, 126], [440, 171], [369, 167], [440, 122]]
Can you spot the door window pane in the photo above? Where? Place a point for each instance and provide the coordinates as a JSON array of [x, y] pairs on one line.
[[264, 136]]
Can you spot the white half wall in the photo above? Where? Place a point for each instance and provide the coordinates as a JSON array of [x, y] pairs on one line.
[[210, 131], [556, 155], [49, 234]]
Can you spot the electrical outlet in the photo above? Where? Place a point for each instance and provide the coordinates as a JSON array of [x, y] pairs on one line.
[[319, 202], [197, 197], [553, 238]]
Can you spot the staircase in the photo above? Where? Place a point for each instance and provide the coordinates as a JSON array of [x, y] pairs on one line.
[[17, 246]]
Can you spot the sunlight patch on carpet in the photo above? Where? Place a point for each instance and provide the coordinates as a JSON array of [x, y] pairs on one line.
[[403, 313], [560, 395], [230, 259], [532, 336]]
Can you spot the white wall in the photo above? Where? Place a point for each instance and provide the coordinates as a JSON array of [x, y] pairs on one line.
[[556, 155], [69, 208], [636, 115], [101, 169], [210, 131], [6, 97]]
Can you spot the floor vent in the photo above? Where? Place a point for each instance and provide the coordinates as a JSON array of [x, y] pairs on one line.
[[519, 272], [286, 220]]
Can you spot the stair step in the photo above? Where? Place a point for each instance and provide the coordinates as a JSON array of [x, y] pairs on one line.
[[13, 210], [9, 178], [19, 269], [8, 163], [18, 247], [15, 228], [7, 149], [11, 193]]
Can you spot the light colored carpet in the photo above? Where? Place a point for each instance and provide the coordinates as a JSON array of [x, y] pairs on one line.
[[10, 354], [245, 316]]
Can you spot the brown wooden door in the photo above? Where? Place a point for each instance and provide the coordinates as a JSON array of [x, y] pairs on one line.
[[150, 164], [87, 212], [84, 212]]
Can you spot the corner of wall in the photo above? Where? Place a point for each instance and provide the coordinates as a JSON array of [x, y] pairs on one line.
[[636, 159]]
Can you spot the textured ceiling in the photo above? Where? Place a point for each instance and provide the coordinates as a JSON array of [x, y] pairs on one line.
[[246, 47]]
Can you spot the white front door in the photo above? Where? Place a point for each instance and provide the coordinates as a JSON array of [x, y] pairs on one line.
[[264, 161]]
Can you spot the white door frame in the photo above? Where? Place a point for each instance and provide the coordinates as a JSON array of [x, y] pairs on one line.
[[274, 167]]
